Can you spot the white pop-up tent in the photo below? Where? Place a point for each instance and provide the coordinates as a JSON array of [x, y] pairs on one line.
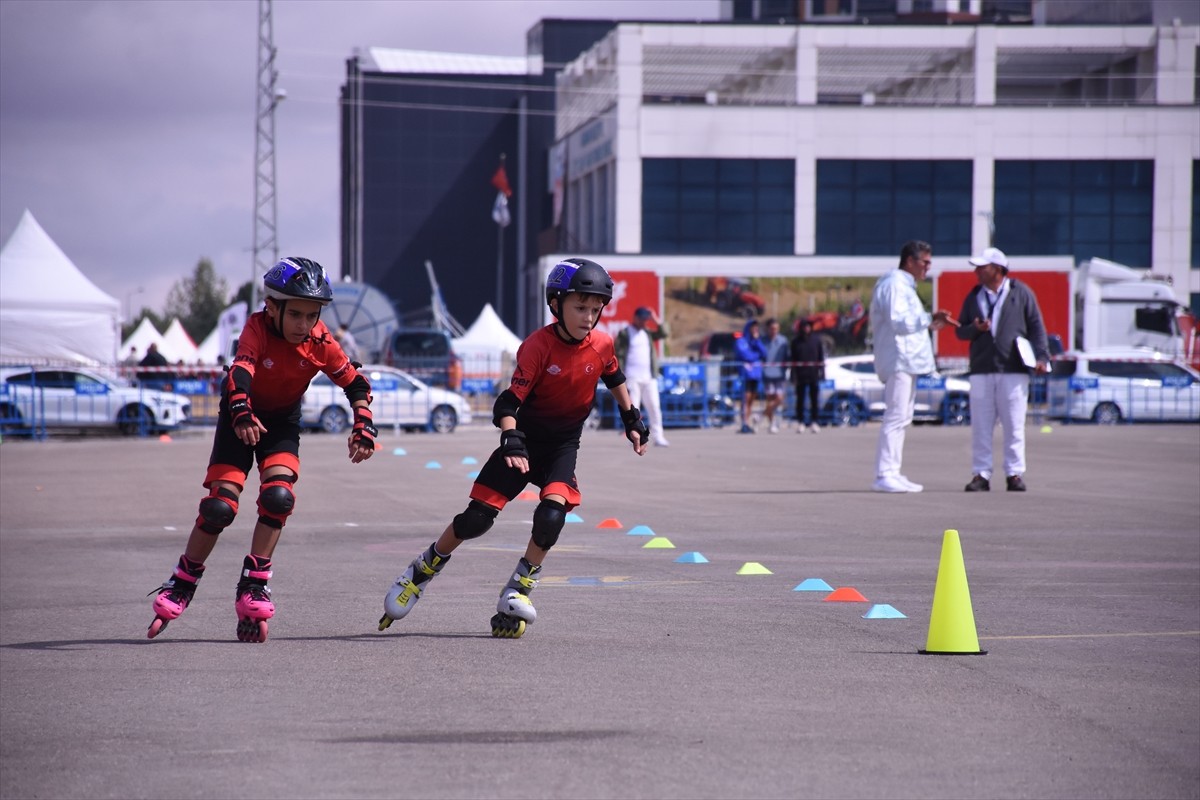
[[487, 336], [144, 335], [177, 345], [49, 311]]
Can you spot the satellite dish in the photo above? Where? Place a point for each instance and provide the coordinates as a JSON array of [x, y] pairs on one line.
[[366, 312]]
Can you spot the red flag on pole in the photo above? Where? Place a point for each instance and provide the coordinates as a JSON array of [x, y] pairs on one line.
[[500, 180]]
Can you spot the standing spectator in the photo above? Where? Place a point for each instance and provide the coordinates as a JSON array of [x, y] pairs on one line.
[[775, 373], [1005, 319], [751, 352], [131, 358], [349, 344], [903, 351], [638, 355], [808, 370], [153, 359]]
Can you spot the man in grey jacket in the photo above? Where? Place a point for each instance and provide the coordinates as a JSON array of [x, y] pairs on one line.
[[1008, 339]]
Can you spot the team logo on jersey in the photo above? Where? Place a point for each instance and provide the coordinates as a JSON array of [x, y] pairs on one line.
[[587, 370], [554, 369], [268, 363], [304, 362]]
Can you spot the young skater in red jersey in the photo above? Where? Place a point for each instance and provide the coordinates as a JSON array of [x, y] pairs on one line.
[[540, 417]]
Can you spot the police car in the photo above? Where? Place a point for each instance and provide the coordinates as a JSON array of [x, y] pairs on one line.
[[398, 400], [32, 399]]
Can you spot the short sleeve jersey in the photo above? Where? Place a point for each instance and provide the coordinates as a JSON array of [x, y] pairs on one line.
[[280, 372], [556, 381]]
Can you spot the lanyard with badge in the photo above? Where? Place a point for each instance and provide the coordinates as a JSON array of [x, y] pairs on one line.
[[993, 313]]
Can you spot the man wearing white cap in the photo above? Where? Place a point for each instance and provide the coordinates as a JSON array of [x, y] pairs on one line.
[[1003, 323]]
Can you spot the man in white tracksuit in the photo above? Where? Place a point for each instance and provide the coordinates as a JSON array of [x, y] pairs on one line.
[[637, 354], [903, 350]]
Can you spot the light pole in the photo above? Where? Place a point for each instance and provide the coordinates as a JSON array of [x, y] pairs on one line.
[[129, 303]]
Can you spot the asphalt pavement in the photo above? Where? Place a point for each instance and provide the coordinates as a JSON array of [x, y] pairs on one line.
[[643, 677]]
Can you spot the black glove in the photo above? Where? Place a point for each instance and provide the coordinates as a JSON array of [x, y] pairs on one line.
[[512, 444], [632, 418], [239, 408], [364, 433]]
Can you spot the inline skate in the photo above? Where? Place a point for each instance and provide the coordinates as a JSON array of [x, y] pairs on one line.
[[406, 591], [514, 610], [175, 594], [253, 604]]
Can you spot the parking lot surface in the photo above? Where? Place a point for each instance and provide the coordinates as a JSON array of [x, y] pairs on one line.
[[643, 677]]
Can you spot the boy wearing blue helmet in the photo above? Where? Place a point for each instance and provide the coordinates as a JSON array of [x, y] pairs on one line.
[[279, 352], [540, 417]]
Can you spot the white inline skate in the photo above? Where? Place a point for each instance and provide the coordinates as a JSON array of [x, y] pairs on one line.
[[406, 591], [514, 610]]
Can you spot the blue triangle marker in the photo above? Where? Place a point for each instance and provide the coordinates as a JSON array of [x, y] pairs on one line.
[[573, 517], [883, 611], [813, 585], [640, 530], [432, 465], [473, 475], [691, 558], [469, 460], [399, 451]]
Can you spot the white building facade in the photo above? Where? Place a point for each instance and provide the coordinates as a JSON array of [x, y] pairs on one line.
[[820, 149]]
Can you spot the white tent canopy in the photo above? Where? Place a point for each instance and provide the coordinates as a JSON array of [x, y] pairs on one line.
[[142, 337], [49, 310], [177, 345], [487, 336]]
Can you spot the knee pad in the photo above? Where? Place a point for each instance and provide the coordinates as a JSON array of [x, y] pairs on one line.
[[548, 520], [475, 521], [276, 501], [217, 510]]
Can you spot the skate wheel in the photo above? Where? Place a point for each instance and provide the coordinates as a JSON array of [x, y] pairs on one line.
[[506, 627], [249, 630], [384, 622], [156, 627]]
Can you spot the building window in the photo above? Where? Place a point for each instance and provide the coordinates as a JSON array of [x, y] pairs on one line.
[[718, 206], [870, 208], [1084, 209], [1196, 215]]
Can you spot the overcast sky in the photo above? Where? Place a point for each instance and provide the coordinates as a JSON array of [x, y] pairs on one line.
[[128, 126]]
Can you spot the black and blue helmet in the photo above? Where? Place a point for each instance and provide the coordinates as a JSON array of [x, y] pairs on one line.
[[298, 279], [578, 275]]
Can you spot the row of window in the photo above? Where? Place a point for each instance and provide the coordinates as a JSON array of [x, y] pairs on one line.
[[1083, 209]]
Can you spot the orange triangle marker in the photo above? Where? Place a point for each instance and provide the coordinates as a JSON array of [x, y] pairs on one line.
[[611, 522], [166, 437], [845, 594]]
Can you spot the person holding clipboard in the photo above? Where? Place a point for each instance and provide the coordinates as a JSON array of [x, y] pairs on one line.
[[1002, 321]]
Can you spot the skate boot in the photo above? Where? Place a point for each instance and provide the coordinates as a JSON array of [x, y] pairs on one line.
[[254, 606], [406, 591], [175, 594], [514, 610]]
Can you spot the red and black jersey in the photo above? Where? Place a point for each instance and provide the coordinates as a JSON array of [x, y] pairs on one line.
[[556, 381], [280, 372]]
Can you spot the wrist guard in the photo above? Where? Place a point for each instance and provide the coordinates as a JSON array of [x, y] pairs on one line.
[[364, 433], [632, 419], [512, 444], [240, 411]]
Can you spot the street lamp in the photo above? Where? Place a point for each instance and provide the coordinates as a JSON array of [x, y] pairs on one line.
[[129, 303]]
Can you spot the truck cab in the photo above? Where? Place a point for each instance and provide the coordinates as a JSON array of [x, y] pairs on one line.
[[1117, 306]]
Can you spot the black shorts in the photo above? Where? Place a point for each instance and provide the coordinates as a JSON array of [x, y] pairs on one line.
[[231, 460], [551, 468], [751, 385]]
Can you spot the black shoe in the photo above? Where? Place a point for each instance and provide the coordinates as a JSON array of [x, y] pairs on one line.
[[979, 484], [1015, 484]]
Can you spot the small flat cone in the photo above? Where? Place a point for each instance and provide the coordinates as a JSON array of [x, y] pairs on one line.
[[754, 568], [812, 585], [470, 460], [691, 558], [432, 465], [883, 611], [660, 543], [1047, 429], [165, 438], [846, 594], [399, 451], [640, 530], [473, 475], [611, 522], [573, 517]]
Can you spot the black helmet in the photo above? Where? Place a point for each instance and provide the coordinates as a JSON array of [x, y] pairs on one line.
[[298, 279], [578, 275]]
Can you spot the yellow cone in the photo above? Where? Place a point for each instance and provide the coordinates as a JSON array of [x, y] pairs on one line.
[[660, 542], [754, 568], [952, 622]]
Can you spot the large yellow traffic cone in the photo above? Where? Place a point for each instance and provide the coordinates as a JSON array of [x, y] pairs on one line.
[[952, 623]]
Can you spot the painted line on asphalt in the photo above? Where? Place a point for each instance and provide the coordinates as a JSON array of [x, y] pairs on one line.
[[1093, 635]]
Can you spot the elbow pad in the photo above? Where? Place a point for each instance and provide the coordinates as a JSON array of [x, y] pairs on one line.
[[614, 380], [507, 405]]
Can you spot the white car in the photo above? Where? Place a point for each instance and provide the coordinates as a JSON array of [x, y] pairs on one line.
[[1111, 386], [51, 397], [398, 400], [853, 393]]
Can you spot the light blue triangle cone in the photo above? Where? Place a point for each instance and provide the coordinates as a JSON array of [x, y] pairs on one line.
[[883, 611], [469, 460], [473, 475], [399, 451], [813, 585], [573, 517], [640, 530], [691, 558], [432, 465]]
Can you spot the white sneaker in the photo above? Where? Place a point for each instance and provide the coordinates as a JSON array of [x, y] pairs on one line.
[[815, 428], [799, 427], [661, 442], [912, 487], [891, 485], [774, 427]]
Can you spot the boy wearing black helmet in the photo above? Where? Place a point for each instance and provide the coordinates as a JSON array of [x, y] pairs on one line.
[[280, 350], [540, 417]]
